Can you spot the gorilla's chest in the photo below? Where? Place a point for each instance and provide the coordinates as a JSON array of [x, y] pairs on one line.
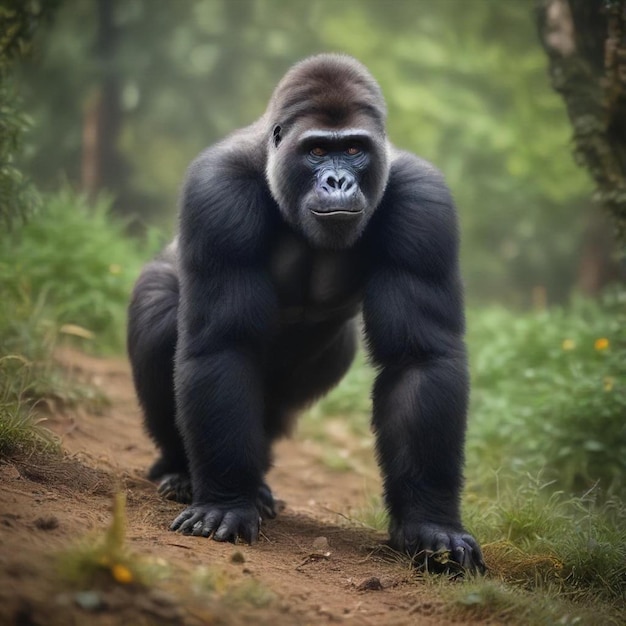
[[313, 285]]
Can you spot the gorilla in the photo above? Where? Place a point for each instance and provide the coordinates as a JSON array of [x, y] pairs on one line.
[[289, 230]]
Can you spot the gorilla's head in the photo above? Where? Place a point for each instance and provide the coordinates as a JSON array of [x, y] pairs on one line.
[[328, 160]]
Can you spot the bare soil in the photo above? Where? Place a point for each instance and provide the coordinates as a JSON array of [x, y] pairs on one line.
[[313, 564]]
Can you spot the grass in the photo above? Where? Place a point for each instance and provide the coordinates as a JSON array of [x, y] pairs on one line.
[[65, 275], [21, 430], [488, 599], [72, 266], [97, 562]]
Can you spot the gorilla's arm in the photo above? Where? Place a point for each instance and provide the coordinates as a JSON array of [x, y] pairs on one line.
[[414, 321], [226, 307]]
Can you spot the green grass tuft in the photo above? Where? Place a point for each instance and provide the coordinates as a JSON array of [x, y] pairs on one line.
[[98, 562]]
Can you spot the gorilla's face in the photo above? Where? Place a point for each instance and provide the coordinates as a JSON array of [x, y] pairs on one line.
[[327, 160], [327, 181]]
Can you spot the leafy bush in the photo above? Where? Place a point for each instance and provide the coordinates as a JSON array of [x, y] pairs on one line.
[[68, 270], [550, 392], [71, 264]]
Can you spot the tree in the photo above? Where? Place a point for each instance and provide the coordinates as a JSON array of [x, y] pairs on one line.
[[102, 166], [586, 45]]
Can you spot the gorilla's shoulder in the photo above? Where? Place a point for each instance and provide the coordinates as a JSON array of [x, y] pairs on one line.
[[413, 175], [240, 155], [417, 216]]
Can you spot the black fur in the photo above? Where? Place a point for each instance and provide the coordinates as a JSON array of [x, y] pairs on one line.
[[288, 228]]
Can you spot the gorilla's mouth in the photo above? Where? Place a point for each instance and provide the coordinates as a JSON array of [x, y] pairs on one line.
[[337, 214]]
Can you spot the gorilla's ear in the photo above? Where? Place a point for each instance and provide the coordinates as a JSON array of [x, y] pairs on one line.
[[277, 136]]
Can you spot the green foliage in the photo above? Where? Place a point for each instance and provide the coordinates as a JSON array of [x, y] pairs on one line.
[[19, 20], [17, 196], [466, 88], [549, 393], [66, 273], [29, 379], [76, 265]]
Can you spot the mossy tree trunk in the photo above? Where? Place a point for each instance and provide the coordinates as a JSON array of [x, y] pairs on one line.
[[586, 45]]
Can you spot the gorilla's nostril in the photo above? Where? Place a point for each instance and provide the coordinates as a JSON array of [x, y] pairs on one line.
[[337, 183]]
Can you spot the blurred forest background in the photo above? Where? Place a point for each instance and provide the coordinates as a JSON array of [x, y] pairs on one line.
[[123, 94], [105, 102]]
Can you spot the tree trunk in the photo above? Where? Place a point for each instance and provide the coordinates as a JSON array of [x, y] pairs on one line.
[[598, 266], [586, 44], [102, 165]]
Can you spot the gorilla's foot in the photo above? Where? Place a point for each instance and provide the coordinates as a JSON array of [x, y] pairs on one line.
[[268, 507], [222, 522], [175, 487], [438, 548]]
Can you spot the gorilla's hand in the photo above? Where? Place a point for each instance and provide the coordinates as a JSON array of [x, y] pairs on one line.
[[224, 522], [438, 547]]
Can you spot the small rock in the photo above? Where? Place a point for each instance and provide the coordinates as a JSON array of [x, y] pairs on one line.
[[89, 600], [370, 584], [321, 545]]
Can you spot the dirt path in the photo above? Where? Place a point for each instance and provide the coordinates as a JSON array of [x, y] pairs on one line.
[[284, 579]]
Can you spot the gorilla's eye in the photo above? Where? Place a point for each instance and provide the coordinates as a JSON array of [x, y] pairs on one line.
[[353, 151], [318, 152]]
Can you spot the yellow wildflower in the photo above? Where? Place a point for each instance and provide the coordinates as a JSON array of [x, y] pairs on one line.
[[608, 383], [568, 344], [601, 344], [122, 574]]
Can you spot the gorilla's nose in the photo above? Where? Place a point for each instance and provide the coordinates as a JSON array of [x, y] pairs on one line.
[[338, 183]]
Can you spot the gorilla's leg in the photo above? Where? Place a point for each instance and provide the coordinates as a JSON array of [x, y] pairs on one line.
[[151, 347], [309, 363]]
